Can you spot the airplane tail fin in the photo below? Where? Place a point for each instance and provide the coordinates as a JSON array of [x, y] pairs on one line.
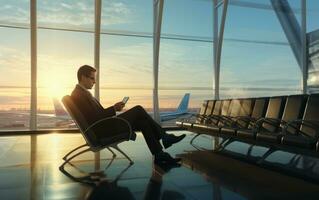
[[59, 110], [183, 106]]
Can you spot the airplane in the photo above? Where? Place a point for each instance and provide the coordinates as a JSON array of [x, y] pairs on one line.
[[64, 119], [182, 109]]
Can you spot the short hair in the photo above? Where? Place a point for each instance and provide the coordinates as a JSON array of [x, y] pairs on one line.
[[85, 70]]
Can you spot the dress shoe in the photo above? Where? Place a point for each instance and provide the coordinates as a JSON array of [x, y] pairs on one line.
[[165, 158], [169, 139]]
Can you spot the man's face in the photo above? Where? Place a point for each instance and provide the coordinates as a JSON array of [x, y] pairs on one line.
[[88, 81]]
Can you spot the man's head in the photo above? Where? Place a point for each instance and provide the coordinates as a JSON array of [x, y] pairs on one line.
[[86, 76]]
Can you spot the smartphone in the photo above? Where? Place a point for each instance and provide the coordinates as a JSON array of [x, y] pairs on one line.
[[125, 99]]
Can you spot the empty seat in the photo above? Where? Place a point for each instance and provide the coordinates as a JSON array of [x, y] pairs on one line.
[[308, 133], [217, 114], [229, 118], [267, 123], [209, 110], [294, 107], [236, 123], [195, 118], [215, 111]]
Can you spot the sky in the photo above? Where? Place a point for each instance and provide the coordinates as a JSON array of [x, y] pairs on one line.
[[127, 62]]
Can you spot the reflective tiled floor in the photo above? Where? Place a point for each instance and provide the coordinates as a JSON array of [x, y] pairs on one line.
[[29, 169]]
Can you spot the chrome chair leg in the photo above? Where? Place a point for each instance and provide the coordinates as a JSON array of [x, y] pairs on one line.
[[122, 152], [114, 155], [69, 159], [108, 165], [73, 150]]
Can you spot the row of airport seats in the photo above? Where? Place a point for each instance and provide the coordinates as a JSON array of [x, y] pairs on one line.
[[283, 120]]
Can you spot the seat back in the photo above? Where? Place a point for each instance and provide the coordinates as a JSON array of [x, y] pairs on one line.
[[259, 109], [245, 111], [246, 107], [217, 107], [216, 110], [80, 121], [311, 114], [225, 107], [203, 111], [295, 105], [203, 108], [233, 111], [235, 107], [210, 107], [274, 110]]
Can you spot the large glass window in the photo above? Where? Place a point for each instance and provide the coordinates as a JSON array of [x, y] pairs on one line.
[[313, 44], [257, 59], [126, 70], [126, 17], [186, 62], [127, 53], [257, 55], [14, 65], [60, 54]]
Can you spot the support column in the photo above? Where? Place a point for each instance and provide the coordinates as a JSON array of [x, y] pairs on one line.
[[97, 35], [304, 50], [219, 48], [33, 105], [157, 22], [215, 41], [97, 25]]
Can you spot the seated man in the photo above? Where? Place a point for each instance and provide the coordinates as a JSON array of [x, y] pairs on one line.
[[137, 116]]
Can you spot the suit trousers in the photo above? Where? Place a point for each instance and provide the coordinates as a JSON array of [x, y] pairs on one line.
[[140, 120]]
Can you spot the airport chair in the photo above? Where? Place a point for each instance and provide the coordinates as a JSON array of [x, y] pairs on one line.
[[253, 109], [198, 118], [307, 135], [210, 126], [294, 108], [269, 122], [238, 122], [233, 112], [208, 112], [229, 118], [89, 133], [193, 124], [211, 111], [246, 122], [220, 108]]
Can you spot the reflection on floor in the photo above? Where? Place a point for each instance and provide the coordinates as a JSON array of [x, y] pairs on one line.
[[29, 169]]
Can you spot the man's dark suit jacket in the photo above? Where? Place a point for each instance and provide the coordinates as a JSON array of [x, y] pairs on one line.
[[90, 107]]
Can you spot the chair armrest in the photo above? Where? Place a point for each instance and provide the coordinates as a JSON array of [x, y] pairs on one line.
[[228, 120], [238, 120], [190, 118], [270, 121], [245, 119], [217, 117], [110, 119], [313, 124]]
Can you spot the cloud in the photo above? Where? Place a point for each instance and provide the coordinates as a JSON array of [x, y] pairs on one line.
[[67, 13], [76, 13], [15, 11], [15, 66]]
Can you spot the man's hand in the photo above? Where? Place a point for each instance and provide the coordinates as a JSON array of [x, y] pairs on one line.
[[119, 106]]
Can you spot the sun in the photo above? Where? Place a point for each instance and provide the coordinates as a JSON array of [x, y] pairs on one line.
[[54, 90], [56, 85]]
